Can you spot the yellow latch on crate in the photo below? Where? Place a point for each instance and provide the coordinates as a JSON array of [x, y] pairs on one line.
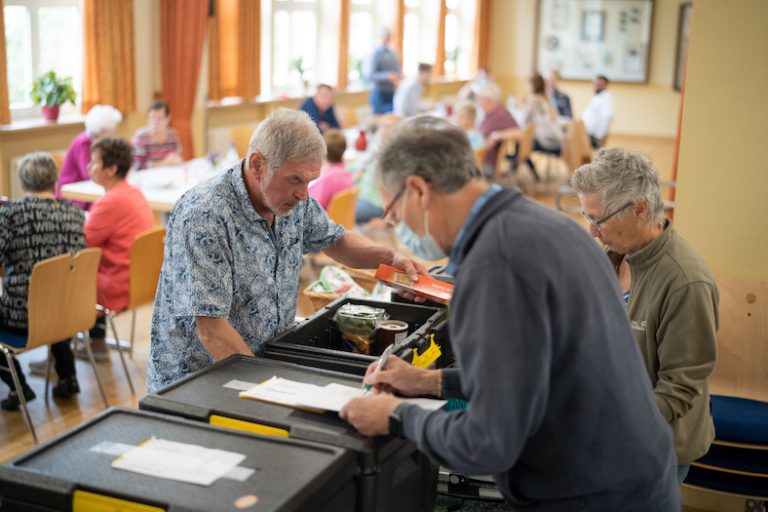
[[247, 426], [427, 357], [84, 501]]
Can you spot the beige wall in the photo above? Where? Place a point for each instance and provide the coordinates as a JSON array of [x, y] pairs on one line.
[[723, 168], [641, 109]]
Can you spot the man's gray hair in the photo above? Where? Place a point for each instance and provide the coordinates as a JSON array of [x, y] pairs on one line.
[[102, 117], [287, 135], [621, 176], [491, 92], [429, 147], [38, 172]]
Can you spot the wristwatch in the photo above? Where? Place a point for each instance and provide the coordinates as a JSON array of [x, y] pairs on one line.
[[396, 423]]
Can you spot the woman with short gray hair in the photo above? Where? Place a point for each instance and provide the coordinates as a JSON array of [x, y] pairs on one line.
[[101, 121], [32, 229]]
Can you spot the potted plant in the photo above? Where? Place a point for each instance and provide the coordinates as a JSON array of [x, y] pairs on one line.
[[52, 91]]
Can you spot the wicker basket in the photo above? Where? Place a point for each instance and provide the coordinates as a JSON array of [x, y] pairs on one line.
[[364, 278]]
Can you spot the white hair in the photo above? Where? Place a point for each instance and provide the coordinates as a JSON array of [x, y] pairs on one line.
[[491, 92], [102, 117], [287, 135]]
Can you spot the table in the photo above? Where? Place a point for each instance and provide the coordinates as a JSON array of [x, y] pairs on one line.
[[161, 186]]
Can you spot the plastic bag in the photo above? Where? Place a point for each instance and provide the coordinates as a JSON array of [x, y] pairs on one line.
[[359, 319]]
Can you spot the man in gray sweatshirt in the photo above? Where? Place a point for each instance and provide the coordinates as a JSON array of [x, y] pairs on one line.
[[560, 410]]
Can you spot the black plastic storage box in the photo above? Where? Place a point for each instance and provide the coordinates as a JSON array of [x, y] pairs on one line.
[[74, 471], [317, 341], [391, 474]]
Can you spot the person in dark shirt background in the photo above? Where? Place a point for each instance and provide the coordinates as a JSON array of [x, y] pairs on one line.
[[320, 108]]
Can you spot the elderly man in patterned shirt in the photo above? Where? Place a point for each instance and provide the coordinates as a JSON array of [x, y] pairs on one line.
[[234, 249]]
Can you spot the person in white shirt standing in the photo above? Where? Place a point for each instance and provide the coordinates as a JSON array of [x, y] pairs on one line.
[[598, 115], [407, 100]]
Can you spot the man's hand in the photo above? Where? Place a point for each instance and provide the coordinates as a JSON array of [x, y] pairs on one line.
[[370, 414], [401, 378], [412, 269]]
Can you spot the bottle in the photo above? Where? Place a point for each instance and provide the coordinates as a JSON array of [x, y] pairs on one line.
[[361, 144]]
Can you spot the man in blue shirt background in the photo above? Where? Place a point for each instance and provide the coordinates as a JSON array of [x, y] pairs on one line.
[[382, 70], [320, 108]]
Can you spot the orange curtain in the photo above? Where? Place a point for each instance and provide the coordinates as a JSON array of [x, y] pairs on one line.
[[234, 49], [399, 28], [482, 34], [439, 68], [341, 81], [182, 32], [109, 68], [5, 111]]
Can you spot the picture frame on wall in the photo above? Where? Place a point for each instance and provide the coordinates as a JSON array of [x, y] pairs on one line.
[[584, 38], [683, 30]]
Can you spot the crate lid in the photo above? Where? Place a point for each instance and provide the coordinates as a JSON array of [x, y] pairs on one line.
[[286, 472]]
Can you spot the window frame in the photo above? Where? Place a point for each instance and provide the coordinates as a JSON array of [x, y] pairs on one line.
[[291, 6], [32, 111]]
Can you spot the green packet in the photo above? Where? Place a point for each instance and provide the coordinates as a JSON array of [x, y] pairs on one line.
[[359, 319]]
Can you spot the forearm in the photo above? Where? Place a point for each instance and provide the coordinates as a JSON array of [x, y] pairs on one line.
[[357, 251], [219, 337]]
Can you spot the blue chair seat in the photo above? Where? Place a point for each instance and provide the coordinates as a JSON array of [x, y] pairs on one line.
[[727, 482], [740, 420], [746, 460], [13, 338]]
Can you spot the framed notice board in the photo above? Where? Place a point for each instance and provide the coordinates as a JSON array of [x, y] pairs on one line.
[[584, 38]]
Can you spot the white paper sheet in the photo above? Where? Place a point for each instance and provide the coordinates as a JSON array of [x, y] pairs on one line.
[[331, 397], [179, 461]]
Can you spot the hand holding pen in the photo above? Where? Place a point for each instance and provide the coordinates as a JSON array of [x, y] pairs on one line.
[[382, 361]]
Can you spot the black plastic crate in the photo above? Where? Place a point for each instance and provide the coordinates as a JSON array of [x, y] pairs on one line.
[[391, 474], [317, 341], [289, 475]]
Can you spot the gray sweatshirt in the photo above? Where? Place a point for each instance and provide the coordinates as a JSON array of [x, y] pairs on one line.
[[560, 409]]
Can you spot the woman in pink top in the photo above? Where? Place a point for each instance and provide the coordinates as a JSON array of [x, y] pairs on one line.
[[112, 225], [334, 177]]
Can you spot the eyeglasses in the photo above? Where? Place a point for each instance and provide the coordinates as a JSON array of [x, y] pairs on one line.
[[597, 223], [391, 206]]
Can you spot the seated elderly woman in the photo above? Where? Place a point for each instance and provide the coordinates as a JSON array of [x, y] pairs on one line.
[[24, 242], [157, 144], [112, 225], [101, 121]]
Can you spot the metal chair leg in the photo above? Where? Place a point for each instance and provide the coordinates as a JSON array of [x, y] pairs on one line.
[[89, 351], [133, 331], [48, 373], [20, 393], [120, 353]]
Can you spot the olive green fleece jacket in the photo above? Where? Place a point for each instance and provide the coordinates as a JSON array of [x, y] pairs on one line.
[[673, 312]]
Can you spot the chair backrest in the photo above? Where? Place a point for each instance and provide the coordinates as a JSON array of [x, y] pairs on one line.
[[240, 136], [59, 157], [341, 208], [525, 146], [62, 296], [742, 353], [146, 261], [479, 157]]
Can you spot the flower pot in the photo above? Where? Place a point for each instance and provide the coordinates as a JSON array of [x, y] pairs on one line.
[[51, 112]]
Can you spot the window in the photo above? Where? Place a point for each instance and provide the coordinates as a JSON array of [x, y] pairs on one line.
[[420, 26], [366, 19], [459, 29], [295, 42], [41, 35]]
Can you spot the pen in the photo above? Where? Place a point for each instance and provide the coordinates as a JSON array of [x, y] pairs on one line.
[[380, 364]]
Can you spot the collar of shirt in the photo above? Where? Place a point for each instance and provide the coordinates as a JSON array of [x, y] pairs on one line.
[[491, 191]]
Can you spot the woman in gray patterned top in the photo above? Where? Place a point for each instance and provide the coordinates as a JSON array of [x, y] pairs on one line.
[[33, 229]]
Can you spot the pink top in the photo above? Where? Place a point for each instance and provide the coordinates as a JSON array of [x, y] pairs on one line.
[[75, 167], [334, 178], [114, 222]]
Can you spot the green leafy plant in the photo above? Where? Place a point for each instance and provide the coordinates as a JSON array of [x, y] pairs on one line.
[[50, 89], [298, 66]]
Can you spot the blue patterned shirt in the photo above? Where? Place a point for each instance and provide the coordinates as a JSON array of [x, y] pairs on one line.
[[223, 260]]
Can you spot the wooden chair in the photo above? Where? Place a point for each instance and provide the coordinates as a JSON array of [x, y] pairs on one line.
[[61, 303], [240, 136], [144, 272], [515, 151], [737, 462], [59, 157], [341, 209]]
